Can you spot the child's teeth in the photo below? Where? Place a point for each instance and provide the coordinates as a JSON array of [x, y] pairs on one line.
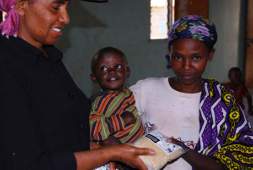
[[113, 78]]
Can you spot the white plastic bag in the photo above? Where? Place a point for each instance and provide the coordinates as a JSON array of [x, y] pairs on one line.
[[104, 167], [165, 151]]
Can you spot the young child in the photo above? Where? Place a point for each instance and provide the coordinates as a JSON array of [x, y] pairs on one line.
[[240, 91], [199, 114], [113, 117]]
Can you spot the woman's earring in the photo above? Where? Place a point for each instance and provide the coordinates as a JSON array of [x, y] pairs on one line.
[[168, 62]]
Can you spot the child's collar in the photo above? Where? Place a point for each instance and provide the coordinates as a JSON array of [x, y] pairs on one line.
[[117, 91]]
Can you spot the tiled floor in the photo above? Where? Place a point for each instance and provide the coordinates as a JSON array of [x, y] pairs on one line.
[[250, 118]]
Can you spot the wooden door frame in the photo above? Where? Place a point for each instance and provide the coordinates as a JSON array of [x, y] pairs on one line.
[[249, 47]]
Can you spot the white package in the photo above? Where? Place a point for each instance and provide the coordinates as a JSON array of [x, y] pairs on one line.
[[165, 151]]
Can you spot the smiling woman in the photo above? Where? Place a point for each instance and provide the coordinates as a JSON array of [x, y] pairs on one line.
[[45, 116], [48, 16]]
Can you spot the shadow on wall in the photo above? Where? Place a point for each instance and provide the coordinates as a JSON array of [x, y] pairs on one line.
[[79, 18]]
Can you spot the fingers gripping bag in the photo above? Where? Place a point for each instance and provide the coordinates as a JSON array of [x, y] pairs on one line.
[[165, 151]]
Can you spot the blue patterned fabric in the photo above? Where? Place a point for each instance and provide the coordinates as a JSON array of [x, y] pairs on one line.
[[225, 133]]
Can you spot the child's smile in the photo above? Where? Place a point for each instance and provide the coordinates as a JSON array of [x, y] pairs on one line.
[[112, 79]]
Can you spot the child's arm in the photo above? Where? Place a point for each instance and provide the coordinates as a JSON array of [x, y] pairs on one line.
[[128, 117], [101, 127]]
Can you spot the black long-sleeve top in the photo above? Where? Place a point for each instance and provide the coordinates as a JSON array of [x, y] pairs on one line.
[[44, 116]]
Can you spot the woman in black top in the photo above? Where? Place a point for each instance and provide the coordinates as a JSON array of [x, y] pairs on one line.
[[45, 116]]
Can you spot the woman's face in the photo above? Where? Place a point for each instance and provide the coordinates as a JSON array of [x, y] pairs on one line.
[[42, 21], [188, 60]]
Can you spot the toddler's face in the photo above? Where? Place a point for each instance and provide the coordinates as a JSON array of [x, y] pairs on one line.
[[111, 72], [235, 77], [188, 60]]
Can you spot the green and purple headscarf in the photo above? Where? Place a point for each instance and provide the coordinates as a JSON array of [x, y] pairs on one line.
[[10, 25], [195, 27]]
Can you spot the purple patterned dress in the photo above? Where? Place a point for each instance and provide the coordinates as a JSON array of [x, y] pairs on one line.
[[225, 133]]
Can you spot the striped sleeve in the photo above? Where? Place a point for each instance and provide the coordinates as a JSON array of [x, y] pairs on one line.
[[100, 126], [102, 123], [133, 131], [105, 117]]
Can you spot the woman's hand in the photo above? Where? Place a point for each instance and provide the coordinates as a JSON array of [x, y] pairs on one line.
[[130, 155], [179, 143], [120, 152]]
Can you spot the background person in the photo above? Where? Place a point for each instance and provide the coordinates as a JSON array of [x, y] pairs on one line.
[[240, 91], [44, 115]]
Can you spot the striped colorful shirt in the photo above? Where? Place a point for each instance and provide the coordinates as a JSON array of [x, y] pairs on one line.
[[105, 116]]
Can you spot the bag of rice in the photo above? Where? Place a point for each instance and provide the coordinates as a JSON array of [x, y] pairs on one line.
[[165, 151]]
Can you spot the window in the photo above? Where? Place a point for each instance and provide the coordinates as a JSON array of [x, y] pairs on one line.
[[161, 18]]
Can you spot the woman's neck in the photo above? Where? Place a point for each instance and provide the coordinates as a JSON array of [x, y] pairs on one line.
[[177, 85], [32, 42]]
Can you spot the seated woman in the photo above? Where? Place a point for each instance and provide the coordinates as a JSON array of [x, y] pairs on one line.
[[199, 114]]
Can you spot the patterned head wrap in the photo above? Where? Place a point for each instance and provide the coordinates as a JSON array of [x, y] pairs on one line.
[[10, 25], [195, 27]]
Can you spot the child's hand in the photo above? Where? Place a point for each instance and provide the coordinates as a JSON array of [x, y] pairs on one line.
[[94, 145], [128, 117], [111, 140]]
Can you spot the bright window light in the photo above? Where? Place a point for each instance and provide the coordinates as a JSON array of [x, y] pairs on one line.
[[161, 18]]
